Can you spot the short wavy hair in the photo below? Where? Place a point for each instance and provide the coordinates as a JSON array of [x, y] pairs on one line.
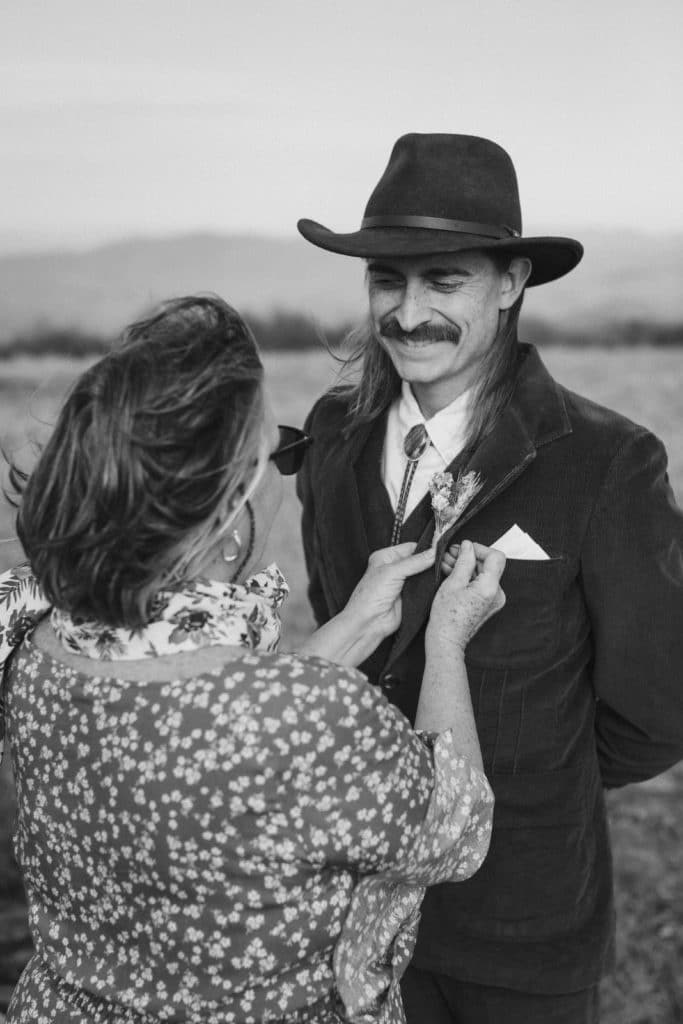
[[155, 450]]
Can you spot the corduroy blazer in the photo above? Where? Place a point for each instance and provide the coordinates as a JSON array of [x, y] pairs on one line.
[[577, 684]]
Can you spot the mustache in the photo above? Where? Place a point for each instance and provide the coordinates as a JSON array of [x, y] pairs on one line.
[[390, 329]]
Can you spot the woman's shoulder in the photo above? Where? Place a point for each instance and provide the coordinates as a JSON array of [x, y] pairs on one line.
[[280, 684], [218, 663], [181, 665], [338, 694], [307, 673]]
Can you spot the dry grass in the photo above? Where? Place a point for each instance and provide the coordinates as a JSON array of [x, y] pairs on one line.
[[646, 820]]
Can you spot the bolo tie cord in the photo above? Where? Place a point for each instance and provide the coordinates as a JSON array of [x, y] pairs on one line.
[[415, 445]]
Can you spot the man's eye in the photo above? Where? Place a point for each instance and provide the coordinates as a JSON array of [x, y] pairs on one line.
[[445, 284], [384, 282]]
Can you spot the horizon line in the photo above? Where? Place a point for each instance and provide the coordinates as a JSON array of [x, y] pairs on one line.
[[12, 245]]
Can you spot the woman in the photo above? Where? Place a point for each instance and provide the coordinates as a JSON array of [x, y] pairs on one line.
[[197, 817]]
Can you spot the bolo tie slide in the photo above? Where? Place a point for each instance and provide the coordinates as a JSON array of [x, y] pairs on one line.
[[415, 445]]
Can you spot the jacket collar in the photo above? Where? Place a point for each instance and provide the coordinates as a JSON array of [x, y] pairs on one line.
[[344, 549]]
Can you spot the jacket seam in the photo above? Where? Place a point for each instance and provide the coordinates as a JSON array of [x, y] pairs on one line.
[[625, 443]]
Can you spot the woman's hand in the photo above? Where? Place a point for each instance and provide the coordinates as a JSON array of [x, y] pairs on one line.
[[373, 611], [467, 598], [469, 595], [376, 601]]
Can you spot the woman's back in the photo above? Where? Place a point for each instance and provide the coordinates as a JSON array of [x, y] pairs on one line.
[[193, 842], [193, 827]]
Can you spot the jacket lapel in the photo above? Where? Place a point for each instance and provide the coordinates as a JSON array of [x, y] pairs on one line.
[[344, 542], [378, 515], [534, 416], [499, 460]]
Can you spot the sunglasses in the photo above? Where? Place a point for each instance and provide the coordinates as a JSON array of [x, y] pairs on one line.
[[290, 452]]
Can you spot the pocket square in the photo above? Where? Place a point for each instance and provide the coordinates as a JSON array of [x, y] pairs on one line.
[[515, 543]]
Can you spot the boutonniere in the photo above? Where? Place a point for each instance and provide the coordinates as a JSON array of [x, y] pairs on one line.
[[451, 497]]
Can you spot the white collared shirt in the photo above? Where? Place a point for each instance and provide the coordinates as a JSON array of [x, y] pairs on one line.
[[447, 432]]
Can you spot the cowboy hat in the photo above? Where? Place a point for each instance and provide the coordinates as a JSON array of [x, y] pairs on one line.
[[445, 193]]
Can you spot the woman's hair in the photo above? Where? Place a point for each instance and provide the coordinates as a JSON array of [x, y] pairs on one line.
[[378, 383], [155, 450]]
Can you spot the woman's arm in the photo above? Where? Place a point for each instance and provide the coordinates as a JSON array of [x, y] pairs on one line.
[[384, 810], [445, 702], [462, 604]]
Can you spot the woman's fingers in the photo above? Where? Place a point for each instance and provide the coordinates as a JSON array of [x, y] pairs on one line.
[[464, 566], [469, 596], [449, 559], [487, 581], [481, 551], [387, 556], [479, 569], [402, 559], [414, 564], [491, 561], [406, 548]]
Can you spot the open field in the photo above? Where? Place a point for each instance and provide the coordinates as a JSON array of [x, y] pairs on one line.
[[647, 820]]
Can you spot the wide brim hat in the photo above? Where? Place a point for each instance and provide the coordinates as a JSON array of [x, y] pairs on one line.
[[443, 194]]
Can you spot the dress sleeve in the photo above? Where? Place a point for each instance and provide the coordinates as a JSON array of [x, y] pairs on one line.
[[309, 535], [22, 605], [404, 809], [388, 801]]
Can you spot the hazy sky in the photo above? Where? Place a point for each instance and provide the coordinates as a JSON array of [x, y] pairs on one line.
[[154, 116]]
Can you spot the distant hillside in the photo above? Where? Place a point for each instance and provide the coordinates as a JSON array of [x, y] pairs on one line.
[[103, 288], [623, 276]]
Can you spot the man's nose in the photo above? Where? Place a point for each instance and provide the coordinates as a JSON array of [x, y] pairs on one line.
[[413, 311]]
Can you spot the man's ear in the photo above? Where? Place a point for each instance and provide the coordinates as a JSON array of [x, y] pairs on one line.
[[513, 281]]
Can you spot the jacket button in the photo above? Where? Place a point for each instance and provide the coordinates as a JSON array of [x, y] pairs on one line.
[[389, 681]]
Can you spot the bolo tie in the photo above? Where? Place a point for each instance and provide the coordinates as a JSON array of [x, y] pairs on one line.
[[415, 445]]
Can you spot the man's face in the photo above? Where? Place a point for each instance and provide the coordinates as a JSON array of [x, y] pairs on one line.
[[437, 317]]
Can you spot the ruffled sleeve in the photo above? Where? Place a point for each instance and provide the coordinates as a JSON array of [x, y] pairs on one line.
[[22, 605], [380, 929], [402, 809], [453, 839]]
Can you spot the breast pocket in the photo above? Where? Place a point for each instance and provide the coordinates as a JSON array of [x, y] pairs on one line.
[[526, 631]]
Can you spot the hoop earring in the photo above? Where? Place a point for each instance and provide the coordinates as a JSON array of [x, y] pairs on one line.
[[237, 541], [252, 537]]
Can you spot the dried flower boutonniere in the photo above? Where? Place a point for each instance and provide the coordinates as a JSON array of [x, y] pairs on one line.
[[451, 497]]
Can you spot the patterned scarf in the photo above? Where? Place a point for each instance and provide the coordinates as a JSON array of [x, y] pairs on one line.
[[203, 614]]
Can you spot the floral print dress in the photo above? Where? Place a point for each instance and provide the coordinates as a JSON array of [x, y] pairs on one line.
[[244, 845]]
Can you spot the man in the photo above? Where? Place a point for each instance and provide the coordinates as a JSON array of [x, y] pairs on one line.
[[576, 683]]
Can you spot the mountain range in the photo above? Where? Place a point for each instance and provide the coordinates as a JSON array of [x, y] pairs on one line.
[[624, 276]]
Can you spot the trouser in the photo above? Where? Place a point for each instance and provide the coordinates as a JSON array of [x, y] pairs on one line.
[[437, 999]]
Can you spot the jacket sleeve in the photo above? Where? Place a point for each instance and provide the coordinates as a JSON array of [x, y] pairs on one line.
[[311, 544], [632, 572]]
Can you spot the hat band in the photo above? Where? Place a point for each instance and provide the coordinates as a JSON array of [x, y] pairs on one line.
[[465, 227]]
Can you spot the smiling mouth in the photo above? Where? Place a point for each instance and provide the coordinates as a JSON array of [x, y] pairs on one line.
[[412, 343]]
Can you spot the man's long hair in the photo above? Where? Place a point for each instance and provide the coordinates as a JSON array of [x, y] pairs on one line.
[[378, 383]]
